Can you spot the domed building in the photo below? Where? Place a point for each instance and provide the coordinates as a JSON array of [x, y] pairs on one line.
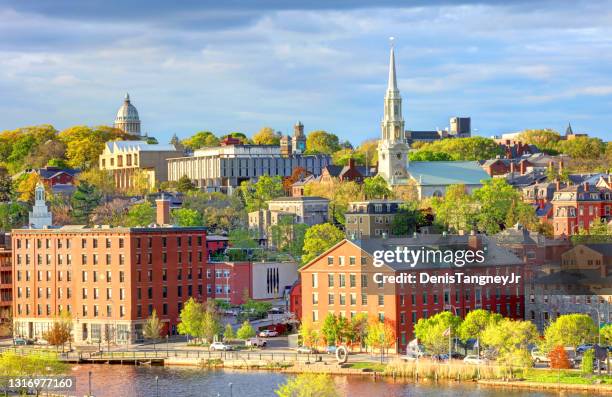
[[127, 118]]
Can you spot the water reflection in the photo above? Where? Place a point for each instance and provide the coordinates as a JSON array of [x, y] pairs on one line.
[[132, 381]]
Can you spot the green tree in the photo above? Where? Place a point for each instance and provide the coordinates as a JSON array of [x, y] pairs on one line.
[[342, 157], [599, 232], [376, 188], [473, 148], [408, 220], [495, 199], [322, 142], [583, 147], [288, 236], [570, 330], [84, 200], [242, 238], [6, 185], [318, 239], [141, 215], [511, 339], [380, 335], [25, 147], [187, 217], [245, 331], [210, 326], [12, 216], [330, 329], [201, 139], [185, 185], [266, 136], [475, 322], [191, 317], [102, 180], [308, 385], [228, 332], [456, 209], [256, 194], [606, 334], [429, 155], [369, 150], [339, 195], [221, 213], [432, 331], [152, 328], [237, 135], [358, 329]]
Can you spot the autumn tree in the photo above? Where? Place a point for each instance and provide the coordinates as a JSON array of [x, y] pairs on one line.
[[308, 334], [60, 332], [322, 142], [111, 213], [152, 328], [102, 180], [544, 139], [26, 185], [381, 335], [266, 136], [85, 144], [297, 174], [558, 358]]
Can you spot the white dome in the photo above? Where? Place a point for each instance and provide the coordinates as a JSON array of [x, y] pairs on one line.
[[127, 112]]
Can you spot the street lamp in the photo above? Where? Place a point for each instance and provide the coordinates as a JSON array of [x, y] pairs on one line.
[[89, 394], [156, 386], [230, 386]]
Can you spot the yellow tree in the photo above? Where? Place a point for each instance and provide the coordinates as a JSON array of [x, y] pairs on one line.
[[266, 136], [26, 186]]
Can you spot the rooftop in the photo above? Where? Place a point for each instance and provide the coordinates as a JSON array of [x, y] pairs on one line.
[[447, 172], [143, 146]]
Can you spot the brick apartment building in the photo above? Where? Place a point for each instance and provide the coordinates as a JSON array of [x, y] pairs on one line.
[[578, 206], [6, 286], [340, 281], [109, 279]]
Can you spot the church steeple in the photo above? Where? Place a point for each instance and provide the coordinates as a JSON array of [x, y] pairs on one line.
[[392, 86], [392, 147]]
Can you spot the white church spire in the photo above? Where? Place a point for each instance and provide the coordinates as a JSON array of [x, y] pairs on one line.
[[40, 217], [392, 86]]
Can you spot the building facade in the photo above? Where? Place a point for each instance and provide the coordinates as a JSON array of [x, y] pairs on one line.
[[369, 219], [224, 168], [128, 161], [342, 281], [109, 279], [6, 279], [307, 210], [579, 206]]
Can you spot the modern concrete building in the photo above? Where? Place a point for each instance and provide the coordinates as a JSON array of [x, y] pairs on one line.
[[109, 279], [223, 168], [128, 160], [305, 209], [369, 219]]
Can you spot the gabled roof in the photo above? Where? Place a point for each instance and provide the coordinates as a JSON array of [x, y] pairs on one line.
[[447, 172], [603, 248], [142, 146]]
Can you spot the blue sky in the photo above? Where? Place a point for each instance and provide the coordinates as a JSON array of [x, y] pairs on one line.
[[238, 66]]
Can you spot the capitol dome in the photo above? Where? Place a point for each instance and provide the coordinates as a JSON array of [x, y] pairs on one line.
[[127, 118]]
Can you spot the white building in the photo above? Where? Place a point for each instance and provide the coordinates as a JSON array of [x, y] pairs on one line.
[[40, 216], [223, 168]]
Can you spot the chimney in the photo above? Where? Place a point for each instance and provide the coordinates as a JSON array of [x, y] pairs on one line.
[[474, 242], [512, 167], [560, 166], [351, 163], [163, 210], [558, 185], [523, 167], [586, 186]]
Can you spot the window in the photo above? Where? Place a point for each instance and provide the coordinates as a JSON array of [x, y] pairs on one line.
[[352, 260], [381, 300], [330, 280], [315, 280], [364, 299], [343, 299], [352, 280], [330, 299], [315, 298], [330, 260], [353, 299], [121, 243], [342, 281], [364, 280]]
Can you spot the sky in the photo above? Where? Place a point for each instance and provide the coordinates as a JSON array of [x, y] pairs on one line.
[[234, 65]]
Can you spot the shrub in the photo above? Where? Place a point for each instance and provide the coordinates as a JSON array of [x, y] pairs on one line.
[[558, 358], [587, 361]]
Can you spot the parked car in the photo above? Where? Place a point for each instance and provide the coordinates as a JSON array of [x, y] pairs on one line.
[[21, 342], [268, 333], [539, 357], [474, 359], [583, 348], [220, 346], [331, 349], [305, 350], [257, 342]]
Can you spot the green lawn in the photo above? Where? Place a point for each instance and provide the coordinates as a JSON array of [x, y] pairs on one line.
[[376, 367], [572, 377]]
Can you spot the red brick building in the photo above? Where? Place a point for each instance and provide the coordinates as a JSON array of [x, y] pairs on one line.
[[109, 279], [6, 287], [578, 206], [341, 281]]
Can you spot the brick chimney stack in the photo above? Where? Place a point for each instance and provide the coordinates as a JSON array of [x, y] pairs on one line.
[[512, 167], [523, 167], [163, 210], [475, 242], [586, 186], [351, 163]]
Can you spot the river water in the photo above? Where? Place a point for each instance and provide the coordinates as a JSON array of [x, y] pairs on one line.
[[137, 381]]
